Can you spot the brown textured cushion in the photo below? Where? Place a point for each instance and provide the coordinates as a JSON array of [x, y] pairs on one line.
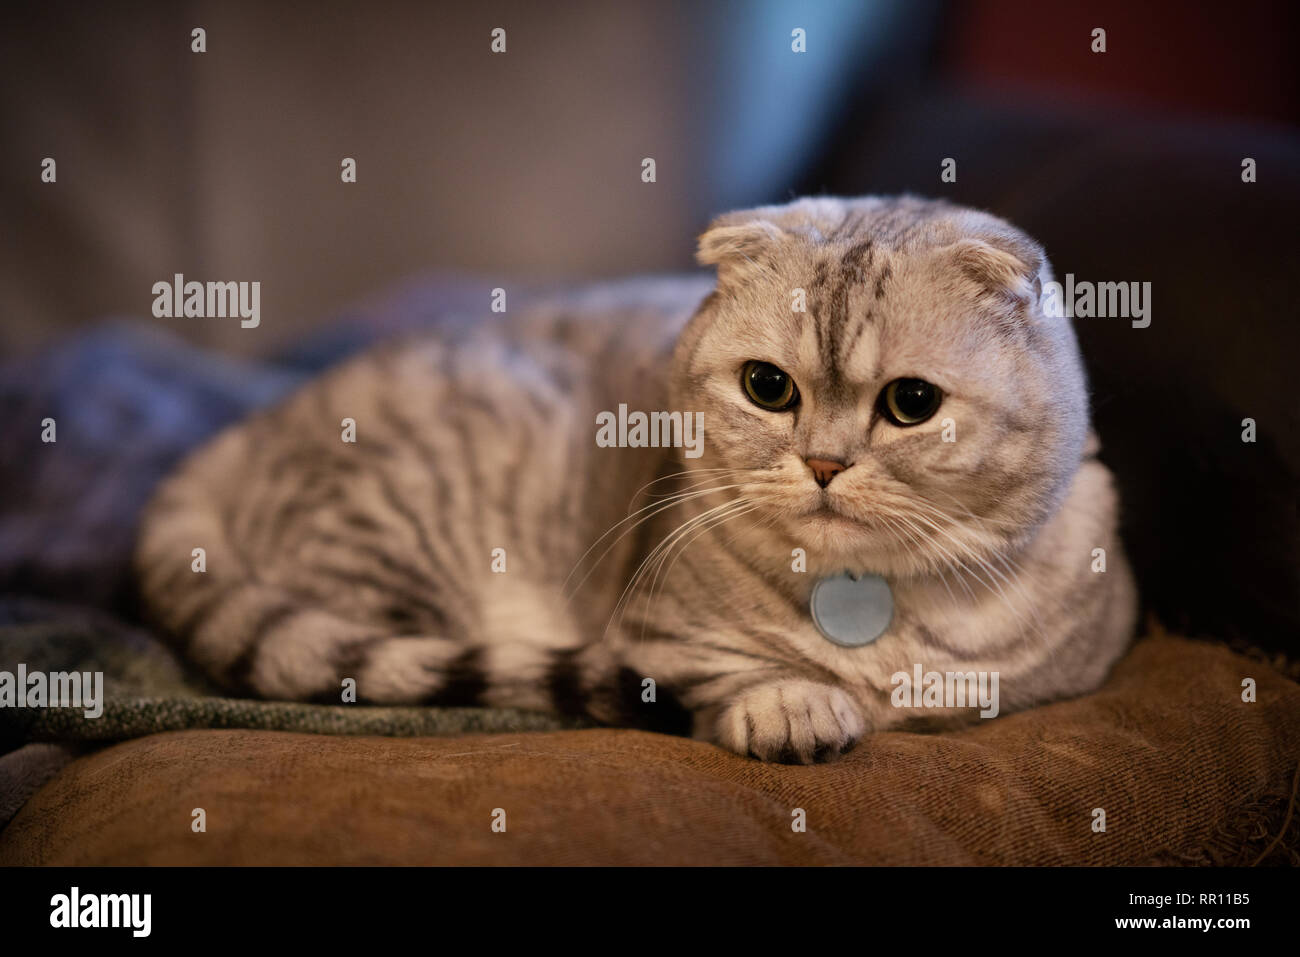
[[1185, 770]]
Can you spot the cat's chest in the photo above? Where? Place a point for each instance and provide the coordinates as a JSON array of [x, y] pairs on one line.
[[863, 629]]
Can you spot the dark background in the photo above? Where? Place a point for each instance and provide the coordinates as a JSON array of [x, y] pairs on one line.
[[1126, 165]]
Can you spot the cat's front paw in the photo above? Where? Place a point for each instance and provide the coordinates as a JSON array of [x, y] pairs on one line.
[[793, 722]]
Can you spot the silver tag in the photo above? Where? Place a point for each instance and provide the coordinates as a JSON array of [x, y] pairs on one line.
[[852, 612]]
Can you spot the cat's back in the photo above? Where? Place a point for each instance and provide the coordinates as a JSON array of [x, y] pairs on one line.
[[404, 474], [578, 345]]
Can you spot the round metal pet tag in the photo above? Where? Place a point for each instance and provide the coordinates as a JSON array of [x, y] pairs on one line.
[[852, 612]]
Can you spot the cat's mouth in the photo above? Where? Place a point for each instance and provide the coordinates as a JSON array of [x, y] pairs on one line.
[[828, 513]]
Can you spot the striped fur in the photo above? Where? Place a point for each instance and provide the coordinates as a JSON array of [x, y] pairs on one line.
[[328, 560]]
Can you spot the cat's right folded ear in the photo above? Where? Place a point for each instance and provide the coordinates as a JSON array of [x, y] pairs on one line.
[[740, 247]]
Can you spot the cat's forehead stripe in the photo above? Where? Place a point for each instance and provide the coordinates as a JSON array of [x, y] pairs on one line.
[[839, 326]]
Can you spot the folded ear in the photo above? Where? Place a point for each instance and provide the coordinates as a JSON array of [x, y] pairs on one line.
[[1006, 267], [746, 242], [740, 247]]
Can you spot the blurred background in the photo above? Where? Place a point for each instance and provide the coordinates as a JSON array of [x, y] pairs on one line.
[[225, 164], [1126, 164]]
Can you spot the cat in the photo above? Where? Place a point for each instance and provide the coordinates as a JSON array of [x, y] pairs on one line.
[[920, 418]]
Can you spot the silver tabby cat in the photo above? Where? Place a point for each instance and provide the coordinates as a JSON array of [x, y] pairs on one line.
[[920, 418]]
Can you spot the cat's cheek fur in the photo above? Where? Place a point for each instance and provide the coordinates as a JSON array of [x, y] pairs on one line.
[[792, 721]]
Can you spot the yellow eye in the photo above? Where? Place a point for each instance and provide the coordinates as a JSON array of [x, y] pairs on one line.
[[910, 401], [768, 387]]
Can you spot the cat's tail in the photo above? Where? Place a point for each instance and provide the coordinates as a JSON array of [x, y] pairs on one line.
[[366, 625], [250, 631]]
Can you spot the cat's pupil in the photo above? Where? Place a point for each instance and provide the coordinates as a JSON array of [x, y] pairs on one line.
[[768, 382], [910, 401], [913, 397], [768, 386]]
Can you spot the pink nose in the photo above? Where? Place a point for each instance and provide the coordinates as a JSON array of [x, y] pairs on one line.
[[825, 469]]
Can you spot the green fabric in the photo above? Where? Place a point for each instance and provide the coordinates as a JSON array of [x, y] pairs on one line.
[[134, 717]]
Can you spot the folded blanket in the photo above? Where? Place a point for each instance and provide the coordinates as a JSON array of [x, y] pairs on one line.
[[147, 689]]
